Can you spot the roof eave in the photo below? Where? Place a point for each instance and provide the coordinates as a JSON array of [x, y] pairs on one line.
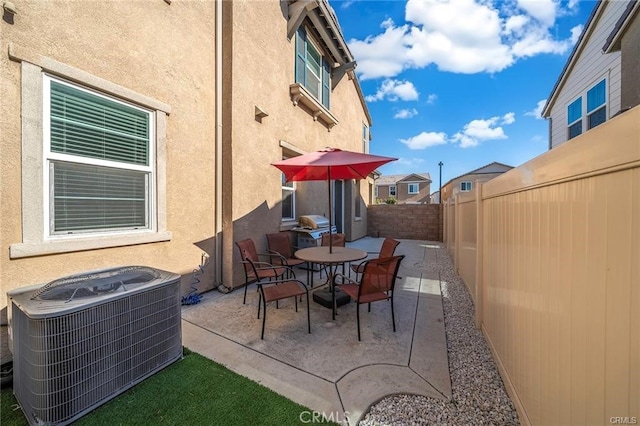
[[589, 27]]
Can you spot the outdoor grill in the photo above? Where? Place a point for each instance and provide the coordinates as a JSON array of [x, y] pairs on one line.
[[310, 231]]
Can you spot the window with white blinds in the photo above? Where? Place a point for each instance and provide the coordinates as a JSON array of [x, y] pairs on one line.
[[99, 161]]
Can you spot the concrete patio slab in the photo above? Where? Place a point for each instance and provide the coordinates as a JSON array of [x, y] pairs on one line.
[[329, 371]]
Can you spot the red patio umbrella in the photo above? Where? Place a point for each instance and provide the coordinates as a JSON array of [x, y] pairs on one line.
[[330, 164]]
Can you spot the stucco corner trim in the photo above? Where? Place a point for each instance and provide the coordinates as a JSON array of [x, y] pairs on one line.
[[21, 250]]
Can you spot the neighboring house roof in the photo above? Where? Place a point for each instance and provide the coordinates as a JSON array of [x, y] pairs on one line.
[[395, 179], [494, 167], [613, 41], [581, 43]]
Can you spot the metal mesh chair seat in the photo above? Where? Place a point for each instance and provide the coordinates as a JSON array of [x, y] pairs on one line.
[[377, 283]]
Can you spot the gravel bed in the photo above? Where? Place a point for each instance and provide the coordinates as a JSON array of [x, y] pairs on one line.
[[479, 396]]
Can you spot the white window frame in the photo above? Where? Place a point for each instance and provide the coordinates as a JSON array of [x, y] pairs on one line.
[[324, 79], [357, 210], [466, 186], [51, 157], [578, 120], [36, 240], [365, 138], [584, 115], [393, 191], [417, 188], [292, 189]]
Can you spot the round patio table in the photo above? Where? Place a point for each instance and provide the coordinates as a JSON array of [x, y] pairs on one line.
[[338, 256]]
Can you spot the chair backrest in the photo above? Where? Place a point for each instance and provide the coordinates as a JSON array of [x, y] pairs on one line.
[[388, 247], [281, 243], [338, 240], [248, 252], [379, 275]]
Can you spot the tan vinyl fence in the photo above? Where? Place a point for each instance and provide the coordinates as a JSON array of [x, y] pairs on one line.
[[550, 252]]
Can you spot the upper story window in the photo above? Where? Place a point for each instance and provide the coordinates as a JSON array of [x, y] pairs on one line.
[[312, 69], [465, 186], [596, 105], [414, 188], [392, 190], [365, 138], [592, 105], [574, 118], [98, 172]]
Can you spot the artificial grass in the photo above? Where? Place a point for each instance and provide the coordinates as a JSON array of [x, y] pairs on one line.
[[192, 391]]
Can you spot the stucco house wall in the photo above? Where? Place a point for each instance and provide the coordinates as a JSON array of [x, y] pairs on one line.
[[261, 60], [155, 53]]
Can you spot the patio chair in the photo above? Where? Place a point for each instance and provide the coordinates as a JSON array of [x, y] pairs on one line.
[[277, 290], [387, 250], [256, 271], [377, 283], [280, 245]]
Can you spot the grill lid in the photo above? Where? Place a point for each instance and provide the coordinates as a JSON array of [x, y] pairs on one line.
[[314, 221]]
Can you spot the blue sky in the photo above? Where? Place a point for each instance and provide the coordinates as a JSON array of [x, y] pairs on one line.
[[460, 81]]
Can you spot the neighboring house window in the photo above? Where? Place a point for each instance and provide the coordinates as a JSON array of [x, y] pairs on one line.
[[358, 208], [392, 190], [288, 200], [97, 153], [591, 105], [414, 188], [376, 191], [465, 186], [574, 118], [596, 105], [365, 138], [312, 69]]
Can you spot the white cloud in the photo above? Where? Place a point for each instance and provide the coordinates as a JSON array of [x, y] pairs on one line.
[[462, 36], [537, 111], [425, 140], [477, 131], [432, 98], [543, 10], [406, 113], [508, 118], [411, 162], [575, 33], [394, 90], [472, 134]]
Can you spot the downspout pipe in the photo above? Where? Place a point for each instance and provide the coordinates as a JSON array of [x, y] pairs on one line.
[[218, 146]]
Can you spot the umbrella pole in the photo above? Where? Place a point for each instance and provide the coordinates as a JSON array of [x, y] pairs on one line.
[[330, 211]]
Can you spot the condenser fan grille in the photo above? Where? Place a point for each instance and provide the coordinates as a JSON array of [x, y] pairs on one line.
[[96, 284]]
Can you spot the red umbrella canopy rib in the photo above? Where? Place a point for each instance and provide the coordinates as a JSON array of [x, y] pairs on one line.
[[330, 163]]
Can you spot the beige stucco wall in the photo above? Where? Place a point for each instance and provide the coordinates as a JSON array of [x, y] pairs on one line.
[[261, 66], [165, 52]]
